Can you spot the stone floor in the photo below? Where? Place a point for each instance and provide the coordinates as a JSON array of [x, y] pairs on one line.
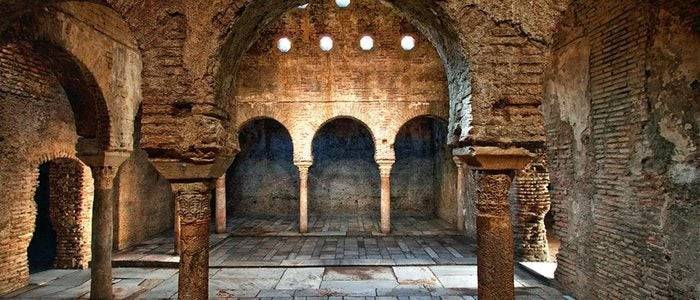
[[235, 251], [332, 241], [337, 225], [400, 282]]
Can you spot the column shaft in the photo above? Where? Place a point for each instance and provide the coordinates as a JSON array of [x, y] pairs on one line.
[[303, 197], [195, 216], [385, 204], [221, 205], [102, 232], [461, 194], [494, 235], [176, 227]]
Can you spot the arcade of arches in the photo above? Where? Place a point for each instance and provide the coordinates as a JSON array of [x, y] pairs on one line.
[[394, 146]]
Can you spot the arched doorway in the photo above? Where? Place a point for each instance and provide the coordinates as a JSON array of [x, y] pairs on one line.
[[344, 179], [423, 176], [61, 236], [262, 181]]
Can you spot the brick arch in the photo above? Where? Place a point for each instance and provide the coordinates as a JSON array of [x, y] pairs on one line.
[[95, 56], [317, 128], [251, 120]]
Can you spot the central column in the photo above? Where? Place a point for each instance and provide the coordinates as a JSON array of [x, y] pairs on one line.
[[494, 168], [303, 195], [461, 194], [195, 216], [221, 204], [494, 235], [104, 169], [385, 174]]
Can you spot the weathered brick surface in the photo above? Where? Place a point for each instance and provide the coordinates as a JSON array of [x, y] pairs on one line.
[[533, 202], [70, 210], [614, 193]]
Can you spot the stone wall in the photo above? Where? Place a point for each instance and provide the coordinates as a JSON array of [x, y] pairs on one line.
[[623, 162], [144, 204]]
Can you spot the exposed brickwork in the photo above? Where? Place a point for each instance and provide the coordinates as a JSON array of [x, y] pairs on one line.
[[71, 194], [610, 201], [533, 203]]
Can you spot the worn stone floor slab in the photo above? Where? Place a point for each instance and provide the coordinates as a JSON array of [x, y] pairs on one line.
[[400, 282]]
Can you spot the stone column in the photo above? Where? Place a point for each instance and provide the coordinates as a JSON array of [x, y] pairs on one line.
[[461, 194], [104, 169], [176, 227], [494, 169], [385, 174], [195, 216], [303, 195], [221, 204]]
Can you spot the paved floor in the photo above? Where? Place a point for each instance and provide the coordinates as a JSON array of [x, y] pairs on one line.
[[333, 241], [337, 225], [401, 282]]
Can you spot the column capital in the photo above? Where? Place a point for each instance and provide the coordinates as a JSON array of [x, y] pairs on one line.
[[303, 163], [385, 166], [494, 158], [106, 159]]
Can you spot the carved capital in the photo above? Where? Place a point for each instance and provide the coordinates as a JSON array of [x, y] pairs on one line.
[[303, 166], [385, 166], [492, 192], [495, 158], [104, 167], [193, 201]]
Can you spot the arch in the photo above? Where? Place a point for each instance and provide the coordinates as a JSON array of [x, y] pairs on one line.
[[423, 175], [99, 66], [428, 17], [426, 116], [262, 179], [344, 178], [64, 208], [362, 123]]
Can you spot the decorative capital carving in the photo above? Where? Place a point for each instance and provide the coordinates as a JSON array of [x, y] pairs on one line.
[[492, 192], [385, 166], [193, 200], [495, 158], [303, 166]]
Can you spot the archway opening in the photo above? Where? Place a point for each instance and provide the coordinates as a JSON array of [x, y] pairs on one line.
[[423, 176], [344, 179], [63, 211], [262, 182]]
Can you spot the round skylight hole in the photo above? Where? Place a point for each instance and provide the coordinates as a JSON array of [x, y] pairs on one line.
[[326, 43], [408, 43], [303, 6], [342, 3], [284, 45], [366, 43]]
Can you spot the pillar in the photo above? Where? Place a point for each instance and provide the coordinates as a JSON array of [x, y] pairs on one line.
[[533, 204], [104, 169], [303, 195], [195, 216], [494, 169], [385, 174], [461, 194], [221, 204], [176, 227]]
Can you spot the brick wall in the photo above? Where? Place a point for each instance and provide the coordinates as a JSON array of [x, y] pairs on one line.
[[70, 202], [614, 190]]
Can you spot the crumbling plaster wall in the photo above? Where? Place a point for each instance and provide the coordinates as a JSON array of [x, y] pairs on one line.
[[622, 149]]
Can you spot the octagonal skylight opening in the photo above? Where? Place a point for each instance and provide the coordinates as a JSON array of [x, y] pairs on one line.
[[408, 43], [366, 43], [342, 3], [303, 6], [284, 45], [326, 43]]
